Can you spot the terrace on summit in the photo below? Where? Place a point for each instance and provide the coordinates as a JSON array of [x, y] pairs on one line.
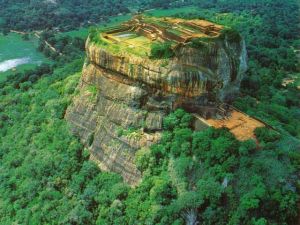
[[192, 80], [137, 35]]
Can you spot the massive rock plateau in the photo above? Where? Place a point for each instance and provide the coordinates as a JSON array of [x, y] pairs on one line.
[[124, 96]]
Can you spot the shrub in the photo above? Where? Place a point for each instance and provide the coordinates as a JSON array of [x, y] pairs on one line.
[[142, 159], [266, 135], [161, 50], [94, 35], [199, 42], [231, 35]]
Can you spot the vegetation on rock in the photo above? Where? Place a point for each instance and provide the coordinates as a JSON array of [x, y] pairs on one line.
[[208, 176], [161, 50], [232, 35]]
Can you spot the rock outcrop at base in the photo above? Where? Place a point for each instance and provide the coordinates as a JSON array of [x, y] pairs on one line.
[[123, 97]]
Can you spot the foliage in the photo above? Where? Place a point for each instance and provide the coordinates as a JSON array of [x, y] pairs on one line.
[[61, 14], [94, 35], [269, 28], [189, 176], [66, 48], [161, 50], [231, 35], [207, 177], [45, 173], [199, 43], [210, 178], [131, 132]]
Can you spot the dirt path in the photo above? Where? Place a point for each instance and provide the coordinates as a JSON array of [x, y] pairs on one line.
[[18, 32], [47, 43], [37, 34]]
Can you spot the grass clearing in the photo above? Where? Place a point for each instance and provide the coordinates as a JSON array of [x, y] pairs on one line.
[[136, 45], [13, 46]]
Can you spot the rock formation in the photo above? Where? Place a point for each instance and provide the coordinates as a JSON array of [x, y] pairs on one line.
[[125, 92]]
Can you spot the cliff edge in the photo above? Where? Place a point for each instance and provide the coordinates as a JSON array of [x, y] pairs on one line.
[[136, 73]]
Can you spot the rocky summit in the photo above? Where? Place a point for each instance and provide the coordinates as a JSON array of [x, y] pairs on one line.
[[137, 72]]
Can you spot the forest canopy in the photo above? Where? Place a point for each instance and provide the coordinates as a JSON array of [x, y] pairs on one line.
[[62, 14], [208, 176]]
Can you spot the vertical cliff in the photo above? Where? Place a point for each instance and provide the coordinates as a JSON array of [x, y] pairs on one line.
[[125, 92]]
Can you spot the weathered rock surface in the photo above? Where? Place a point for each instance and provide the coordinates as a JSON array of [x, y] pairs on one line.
[[123, 98], [100, 116], [216, 69]]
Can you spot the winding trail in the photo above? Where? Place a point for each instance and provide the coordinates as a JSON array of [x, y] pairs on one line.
[[37, 34], [47, 43]]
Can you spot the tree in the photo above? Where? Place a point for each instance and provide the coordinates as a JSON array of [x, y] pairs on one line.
[[161, 50]]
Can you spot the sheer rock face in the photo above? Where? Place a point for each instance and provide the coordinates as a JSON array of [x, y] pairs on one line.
[[123, 98], [215, 69], [99, 117]]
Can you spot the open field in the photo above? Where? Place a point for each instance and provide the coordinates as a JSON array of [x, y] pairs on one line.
[[18, 54]]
